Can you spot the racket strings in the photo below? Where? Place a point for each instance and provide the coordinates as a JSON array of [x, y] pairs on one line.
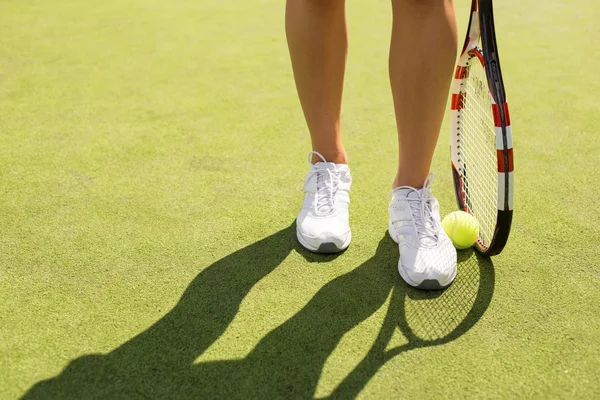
[[477, 147]]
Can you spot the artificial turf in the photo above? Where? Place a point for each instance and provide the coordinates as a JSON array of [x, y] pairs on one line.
[[151, 163]]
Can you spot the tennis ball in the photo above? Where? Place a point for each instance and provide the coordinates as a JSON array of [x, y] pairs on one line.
[[462, 228]]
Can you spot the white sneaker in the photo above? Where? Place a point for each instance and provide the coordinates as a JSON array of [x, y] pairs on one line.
[[322, 225], [427, 256]]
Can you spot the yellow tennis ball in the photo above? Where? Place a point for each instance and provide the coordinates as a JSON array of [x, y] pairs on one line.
[[462, 228]]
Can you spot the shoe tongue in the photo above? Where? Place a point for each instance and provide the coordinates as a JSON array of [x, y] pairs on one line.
[[415, 194], [322, 168], [323, 186]]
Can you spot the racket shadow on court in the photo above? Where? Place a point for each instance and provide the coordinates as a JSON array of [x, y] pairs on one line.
[[288, 361], [427, 319]]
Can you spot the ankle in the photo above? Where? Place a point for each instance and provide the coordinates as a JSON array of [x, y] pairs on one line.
[[412, 181], [336, 157]]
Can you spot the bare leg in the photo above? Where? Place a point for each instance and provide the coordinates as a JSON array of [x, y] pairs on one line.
[[317, 40], [422, 56]]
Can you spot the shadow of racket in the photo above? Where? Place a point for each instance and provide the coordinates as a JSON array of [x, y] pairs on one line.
[[426, 318]]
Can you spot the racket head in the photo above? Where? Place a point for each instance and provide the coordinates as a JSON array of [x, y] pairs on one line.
[[481, 136]]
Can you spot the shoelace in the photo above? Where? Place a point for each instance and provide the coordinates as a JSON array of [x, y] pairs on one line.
[[421, 209], [328, 182]]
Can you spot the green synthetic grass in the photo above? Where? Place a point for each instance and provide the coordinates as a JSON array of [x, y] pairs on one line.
[[151, 163]]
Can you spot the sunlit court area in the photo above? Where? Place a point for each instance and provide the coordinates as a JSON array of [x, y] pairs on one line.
[[152, 158]]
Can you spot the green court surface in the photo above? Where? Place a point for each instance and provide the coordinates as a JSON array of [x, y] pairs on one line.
[[152, 155]]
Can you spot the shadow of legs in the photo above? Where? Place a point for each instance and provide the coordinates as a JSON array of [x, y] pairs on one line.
[[287, 362], [172, 344]]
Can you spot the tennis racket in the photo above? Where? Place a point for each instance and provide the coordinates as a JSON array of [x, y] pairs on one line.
[[481, 139]]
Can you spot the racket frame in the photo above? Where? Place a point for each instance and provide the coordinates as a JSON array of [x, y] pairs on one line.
[[481, 26]]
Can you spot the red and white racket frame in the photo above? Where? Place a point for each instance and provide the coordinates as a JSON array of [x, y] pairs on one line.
[[481, 25]]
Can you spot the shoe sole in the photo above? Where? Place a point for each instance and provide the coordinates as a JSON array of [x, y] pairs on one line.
[[324, 248], [427, 284]]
